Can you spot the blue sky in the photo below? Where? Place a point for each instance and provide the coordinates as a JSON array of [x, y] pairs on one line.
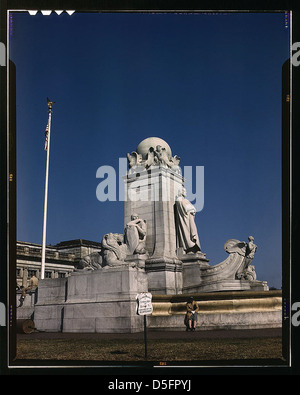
[[210, 85]]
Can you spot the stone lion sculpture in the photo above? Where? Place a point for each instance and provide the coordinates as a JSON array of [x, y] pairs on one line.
[[113, 252]]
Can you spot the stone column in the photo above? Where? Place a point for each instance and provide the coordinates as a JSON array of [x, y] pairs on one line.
[[151, 195], [25, 277]]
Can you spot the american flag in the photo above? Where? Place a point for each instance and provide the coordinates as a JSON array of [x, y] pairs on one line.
[[46, 135]]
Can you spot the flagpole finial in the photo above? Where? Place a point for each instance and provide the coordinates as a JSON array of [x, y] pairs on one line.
[[50, 103]]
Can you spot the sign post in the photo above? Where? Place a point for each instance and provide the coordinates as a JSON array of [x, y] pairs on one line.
[[144, 307], [145, 336]]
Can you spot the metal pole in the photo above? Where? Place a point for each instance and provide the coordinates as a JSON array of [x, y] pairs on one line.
[[145, 335], [46, 193]]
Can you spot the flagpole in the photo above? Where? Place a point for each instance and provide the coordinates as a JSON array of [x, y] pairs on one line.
[[46, 190]]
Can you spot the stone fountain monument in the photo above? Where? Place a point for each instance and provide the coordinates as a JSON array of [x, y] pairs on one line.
[[174, 261], [159, 251]]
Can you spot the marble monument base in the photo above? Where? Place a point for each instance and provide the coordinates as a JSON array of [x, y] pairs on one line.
[[219, 311], [136, 260], [164, 275], [102, 301], [225, 285]]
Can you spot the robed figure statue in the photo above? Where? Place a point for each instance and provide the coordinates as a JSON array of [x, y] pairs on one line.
[[135, 235], [186, 230]]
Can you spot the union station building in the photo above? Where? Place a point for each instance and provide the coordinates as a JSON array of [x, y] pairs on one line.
[[60, 258]]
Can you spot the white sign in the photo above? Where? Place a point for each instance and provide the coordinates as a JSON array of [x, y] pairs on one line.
[[144, 303]]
